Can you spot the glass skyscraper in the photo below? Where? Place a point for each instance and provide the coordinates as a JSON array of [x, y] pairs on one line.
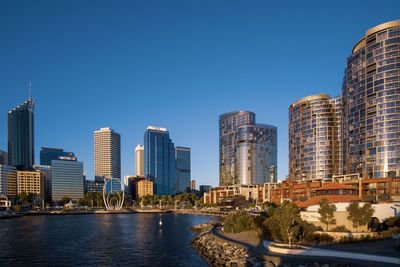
[[247, 151], [256, 154], [159, 160], [67, 179], [315, 138], [21, 135], [48, 154], [182, 157], [371, 104], [228, 124]]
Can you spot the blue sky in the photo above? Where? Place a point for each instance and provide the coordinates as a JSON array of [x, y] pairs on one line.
[[173, 64]]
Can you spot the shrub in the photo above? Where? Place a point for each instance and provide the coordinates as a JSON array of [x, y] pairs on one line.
[[238, 222], [390, 232], [17, 208], [340, 228], [367, 238], [322, 238], [393, 222]]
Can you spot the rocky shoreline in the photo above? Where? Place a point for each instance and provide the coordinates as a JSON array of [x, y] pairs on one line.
[[218, 252]]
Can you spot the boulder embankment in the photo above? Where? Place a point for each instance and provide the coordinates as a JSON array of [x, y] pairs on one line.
[[217, 251]]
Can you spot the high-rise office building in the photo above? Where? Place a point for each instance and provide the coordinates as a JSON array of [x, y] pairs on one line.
[[314, 137], [139, 160], [159, 160], [67, 179], [182, 157], [8, 181], [21, 135], [48, 154], [3, 157], [107, 157], [247, 151], [371, 104]]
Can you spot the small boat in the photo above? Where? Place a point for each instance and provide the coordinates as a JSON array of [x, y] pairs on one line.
[[160, 223]]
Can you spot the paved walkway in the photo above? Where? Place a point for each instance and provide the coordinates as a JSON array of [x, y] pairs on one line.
[[256, 249]]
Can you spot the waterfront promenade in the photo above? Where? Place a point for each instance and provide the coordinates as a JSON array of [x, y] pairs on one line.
[[255, 248]]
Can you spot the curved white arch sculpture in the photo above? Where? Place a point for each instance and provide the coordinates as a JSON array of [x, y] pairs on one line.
[[113, 200]]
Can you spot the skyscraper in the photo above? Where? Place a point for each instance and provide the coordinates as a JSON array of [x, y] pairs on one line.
[[107, 155], [314, 137], [3, 157], [21, 135], [182, 157], [48, 154], [159, 160], [256, 154], [248, 151], [139, 160], [228, 124], [371, 104], [67, 179]]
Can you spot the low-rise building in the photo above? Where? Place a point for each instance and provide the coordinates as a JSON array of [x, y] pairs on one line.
[[8, 181], [309, 192], [30, 182], [144, 188]]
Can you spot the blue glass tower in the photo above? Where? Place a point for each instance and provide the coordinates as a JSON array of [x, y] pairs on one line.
[[182, 157], [48, 154], [159, 160], [21, 135]]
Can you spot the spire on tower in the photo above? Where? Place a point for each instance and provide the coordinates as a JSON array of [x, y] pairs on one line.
[[30, 90]]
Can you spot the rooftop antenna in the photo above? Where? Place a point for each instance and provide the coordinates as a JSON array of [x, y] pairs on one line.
[[30, 90]]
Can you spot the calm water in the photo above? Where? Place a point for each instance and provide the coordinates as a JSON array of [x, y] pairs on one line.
[[105, 240]]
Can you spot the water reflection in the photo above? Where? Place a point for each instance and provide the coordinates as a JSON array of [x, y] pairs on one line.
[[92, 240]]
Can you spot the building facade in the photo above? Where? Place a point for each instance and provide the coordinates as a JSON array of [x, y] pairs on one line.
[[247, 151], [67, 179], [30, 182], [8, 181], [228, 124], [107, 157], [315, 138], [182, 157], [3, 157], [371, 104], [193, 185], [144, 188], [45, 173], [159, 163], [48, 154], [256, 154], [139, 160], [21, 139]]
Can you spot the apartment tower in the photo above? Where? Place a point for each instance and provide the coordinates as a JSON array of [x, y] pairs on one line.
[[371, 104]]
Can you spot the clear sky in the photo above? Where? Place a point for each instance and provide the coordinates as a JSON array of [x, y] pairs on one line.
[[173, 64]]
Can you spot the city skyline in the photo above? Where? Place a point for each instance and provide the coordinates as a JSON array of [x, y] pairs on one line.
[[204, 145]]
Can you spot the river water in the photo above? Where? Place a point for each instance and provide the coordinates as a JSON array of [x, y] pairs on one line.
[[100, 240]]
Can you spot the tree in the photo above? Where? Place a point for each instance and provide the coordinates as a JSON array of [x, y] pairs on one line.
[[23, 197], [359, 216], [238, 222], [64, 200], [326, 210], [286, 220]]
